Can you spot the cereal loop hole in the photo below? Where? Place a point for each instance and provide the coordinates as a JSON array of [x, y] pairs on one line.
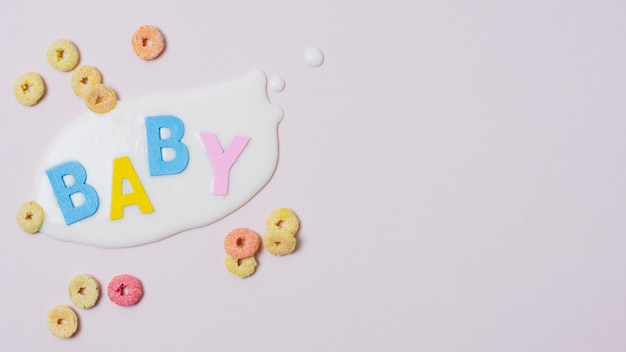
[[241, 242], [123, 290], [27, 87], [62, 321]]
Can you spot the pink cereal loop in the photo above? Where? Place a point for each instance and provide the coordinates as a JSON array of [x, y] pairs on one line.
[[241, 243], [125, 290]]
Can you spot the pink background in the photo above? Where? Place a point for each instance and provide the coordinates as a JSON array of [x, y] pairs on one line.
[[458, 168]]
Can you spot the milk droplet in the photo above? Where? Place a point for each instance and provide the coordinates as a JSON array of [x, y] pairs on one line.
[[277, 84], [313, 57]]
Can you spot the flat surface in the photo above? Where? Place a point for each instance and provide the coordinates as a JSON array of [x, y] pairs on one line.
[[458, 168]]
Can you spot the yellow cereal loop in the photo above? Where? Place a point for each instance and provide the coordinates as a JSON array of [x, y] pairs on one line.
[[283, 219], [84, 291], [100, 98], [63, 55], [279, 242], [240, 267], [29, 88], [83, 78], [30, 217], [62, 321]]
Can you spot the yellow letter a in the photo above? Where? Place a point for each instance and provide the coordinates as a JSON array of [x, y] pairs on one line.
[[123, 169]]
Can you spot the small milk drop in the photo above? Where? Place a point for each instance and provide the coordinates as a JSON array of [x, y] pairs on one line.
[[277, 84], [313, 57]]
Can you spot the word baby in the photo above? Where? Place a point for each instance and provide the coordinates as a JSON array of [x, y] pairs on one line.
[[222, 161]]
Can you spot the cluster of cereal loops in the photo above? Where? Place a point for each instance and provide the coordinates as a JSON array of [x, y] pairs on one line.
[[148, 42], [63, 55], [282, 225], [240, 245], [30, 217], [84, 291], [87, 84]]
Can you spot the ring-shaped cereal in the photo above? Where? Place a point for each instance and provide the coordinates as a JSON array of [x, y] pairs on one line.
[[84, 291], [100, 98], [63, 55], [125, 290], [241, 243], [30, 217], [283, 219], [242, 267], [279, 242], [83, 78], [29, 88], [62, 321], [148, 42]]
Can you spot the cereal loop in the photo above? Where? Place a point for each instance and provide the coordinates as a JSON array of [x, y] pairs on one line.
[[84, 291], [279, 242], [241, 243], [63, 55], [283, 219], [83, 78], [125, 290], [30, 217], [242, 267], [100, 98], [148, 42], [62, 321], [29, 88]]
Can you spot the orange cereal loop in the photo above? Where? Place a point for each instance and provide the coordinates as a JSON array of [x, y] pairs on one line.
[[63, 55], [29, 88], [242, 267], [30, 217], [148, 42], [283, 219], [279, 242], [83, 78], [241, 243], [62, 321], [100, 98]]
